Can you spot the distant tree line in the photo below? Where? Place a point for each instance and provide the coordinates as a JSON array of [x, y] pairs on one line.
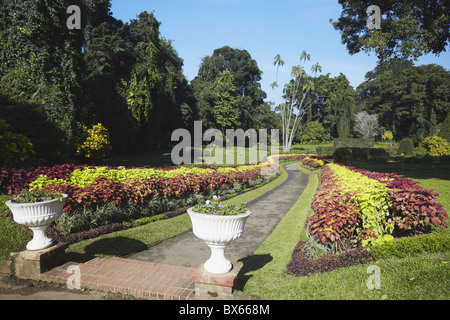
[[125, 75]]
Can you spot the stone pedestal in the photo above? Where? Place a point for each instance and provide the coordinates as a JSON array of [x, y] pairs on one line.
[[26, 264], [209, 286]]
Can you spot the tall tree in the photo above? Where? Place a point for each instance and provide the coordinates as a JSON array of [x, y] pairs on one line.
[[226, 105], [109, 58], [157, 90], [409, 29], [366, 124], [299, 95], [246, 76]]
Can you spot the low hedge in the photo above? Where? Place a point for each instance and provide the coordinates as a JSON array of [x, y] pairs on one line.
[[412, 246], [354, 143], [325, 151], [344, 155]]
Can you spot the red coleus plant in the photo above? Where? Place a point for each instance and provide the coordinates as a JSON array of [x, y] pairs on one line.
[[415, 209], [141, 190], [335, 217]]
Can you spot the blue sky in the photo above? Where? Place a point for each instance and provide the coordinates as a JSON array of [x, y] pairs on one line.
[[264, 28]]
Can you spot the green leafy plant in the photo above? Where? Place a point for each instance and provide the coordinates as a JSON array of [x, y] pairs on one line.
[[387, 136], [27, 196], [214, 207]]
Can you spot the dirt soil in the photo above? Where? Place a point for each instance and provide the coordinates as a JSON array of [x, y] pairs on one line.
[[12, 288]]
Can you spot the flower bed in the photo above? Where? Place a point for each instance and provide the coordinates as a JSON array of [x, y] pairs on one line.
[[96, 191], [359, 207], [355, 208], [313, 163], [301, 265]]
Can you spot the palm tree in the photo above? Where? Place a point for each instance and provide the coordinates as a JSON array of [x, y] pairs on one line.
[[292, 106]]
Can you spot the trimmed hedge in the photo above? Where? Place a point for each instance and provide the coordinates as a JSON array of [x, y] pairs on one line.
[[354, 143], [325, 151], [412, 246], [344, 155]]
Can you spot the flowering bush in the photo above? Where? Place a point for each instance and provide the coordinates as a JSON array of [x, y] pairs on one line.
[[214, 207]]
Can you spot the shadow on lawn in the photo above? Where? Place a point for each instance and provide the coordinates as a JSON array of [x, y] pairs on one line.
[[251, 263], [117, 246]]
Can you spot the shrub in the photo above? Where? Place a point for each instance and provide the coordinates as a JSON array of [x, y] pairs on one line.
[[13, 147], [344, 155], [436, 146], [420, 151], [387, 135], [325, 151], [94, 142], [406, 147]]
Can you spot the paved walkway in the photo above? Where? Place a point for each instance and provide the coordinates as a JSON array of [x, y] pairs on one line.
[[163, 271]]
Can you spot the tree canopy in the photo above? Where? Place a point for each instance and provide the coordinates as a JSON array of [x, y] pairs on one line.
[[123, 75], [246, 75], [406, 97], [409, 29]]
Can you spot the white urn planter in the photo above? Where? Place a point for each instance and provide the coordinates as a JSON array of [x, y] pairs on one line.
[[37, 216], [217, 231]]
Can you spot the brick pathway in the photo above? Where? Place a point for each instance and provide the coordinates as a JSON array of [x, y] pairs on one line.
[[141, 279]]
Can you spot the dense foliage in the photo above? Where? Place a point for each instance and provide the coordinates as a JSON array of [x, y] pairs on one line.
[[13, 146], [228, 91], [436, 146], [123, 75], [411, 101]]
